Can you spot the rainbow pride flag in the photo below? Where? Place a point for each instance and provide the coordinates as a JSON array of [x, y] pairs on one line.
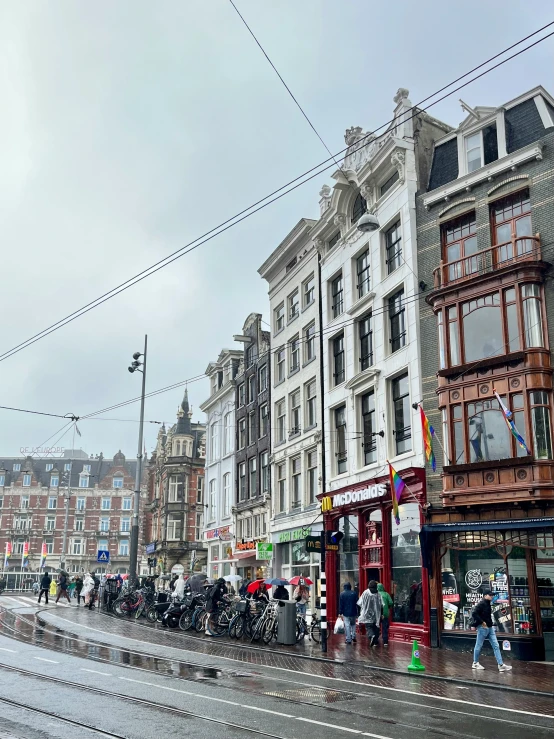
[[43, 555], [509, 418], [25, 555], [8, 554], [428, 432], [396, 489]]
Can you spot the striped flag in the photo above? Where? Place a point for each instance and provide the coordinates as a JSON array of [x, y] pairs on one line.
[[25, 556], [7, 555], [509, 418], [428, 432], [396, 489], [43, 555]]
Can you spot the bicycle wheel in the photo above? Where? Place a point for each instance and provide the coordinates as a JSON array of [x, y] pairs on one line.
[[139, 610], [257, 629], [152, 615], [270, 631], [200, 620], [233, 626], [217, 624], [315, 631], [241, 627], [185, 622], [118, 608]]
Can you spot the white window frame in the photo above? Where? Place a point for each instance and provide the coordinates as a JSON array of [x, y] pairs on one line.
[[293, 301], [49, 467], [279, 318], [79, 524], [123, 548], [81, 504], [173, 489], [226, 495], [77, 547], [306, 290], [281, 421], [125, 525], [118, 479], [105, 524], [55, 481], [17, 467], [107, 507], [27, 480], [124, 506], [228, 433], [211, 500], [84, 481], [52, 503]]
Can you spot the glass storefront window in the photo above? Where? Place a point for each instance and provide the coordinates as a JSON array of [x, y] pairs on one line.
[[406, 580], [348, 552], [465, 574]]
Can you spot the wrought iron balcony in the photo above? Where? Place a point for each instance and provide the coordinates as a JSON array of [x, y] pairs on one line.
[[518, 249]]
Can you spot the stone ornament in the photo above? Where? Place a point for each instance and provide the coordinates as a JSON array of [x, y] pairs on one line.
[[398, 160], [401, 94]]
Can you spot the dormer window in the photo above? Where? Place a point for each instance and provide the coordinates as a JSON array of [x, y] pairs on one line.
[[118, 482], [481, 148], [474, 156]]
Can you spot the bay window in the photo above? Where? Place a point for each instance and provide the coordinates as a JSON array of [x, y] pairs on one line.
[[540, 414]]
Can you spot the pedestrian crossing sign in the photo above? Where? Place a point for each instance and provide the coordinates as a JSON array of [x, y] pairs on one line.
[[103, 556]]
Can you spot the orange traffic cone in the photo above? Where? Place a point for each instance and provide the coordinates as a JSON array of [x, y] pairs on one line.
[[415, 665]]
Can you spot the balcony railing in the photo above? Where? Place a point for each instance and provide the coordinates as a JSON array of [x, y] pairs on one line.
[[518, 249]]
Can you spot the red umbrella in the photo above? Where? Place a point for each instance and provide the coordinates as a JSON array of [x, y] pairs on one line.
[[300, 580], [256, 584]]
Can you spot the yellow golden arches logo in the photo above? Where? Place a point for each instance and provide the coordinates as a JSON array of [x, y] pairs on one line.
[[326, 504]]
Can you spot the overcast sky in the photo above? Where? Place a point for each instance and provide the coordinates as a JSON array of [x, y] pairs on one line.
[[128, 129]]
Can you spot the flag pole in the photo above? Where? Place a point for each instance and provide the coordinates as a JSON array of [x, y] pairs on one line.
[[417, 406]]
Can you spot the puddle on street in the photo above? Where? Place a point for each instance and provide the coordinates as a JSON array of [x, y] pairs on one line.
[[58, 640]]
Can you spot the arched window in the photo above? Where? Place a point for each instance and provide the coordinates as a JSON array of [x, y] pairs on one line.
[[177, 448], [359, 208]]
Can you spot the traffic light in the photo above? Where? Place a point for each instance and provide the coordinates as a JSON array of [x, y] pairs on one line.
[[334, 538]]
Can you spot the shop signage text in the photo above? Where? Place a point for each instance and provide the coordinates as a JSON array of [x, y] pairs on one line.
[[294, 535], [151, 548], [359, 496], [244, 546], [313, 544], [223, 533], [264, 550]]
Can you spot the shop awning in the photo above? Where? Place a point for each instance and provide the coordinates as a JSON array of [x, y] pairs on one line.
[[250, 553], [428, 531]]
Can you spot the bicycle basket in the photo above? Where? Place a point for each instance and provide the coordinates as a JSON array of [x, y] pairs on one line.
[[242, 606]]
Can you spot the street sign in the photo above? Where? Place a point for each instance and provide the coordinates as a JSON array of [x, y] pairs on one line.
[[264, 550], [313, 543], [103, 556]]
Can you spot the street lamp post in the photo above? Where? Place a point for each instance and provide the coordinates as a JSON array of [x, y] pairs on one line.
[[66, 520], [133, 555]]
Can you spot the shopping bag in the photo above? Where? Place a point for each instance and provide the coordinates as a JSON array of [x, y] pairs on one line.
[[339, 626]]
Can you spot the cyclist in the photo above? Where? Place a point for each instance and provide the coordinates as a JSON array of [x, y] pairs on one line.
[[215, 596]]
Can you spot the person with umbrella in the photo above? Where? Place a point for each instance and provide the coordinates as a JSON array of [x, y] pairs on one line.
[[301, 595], [258, 590], [280, 592]]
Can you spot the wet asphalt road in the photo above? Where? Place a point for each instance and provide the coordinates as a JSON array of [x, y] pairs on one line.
[[308, 700]]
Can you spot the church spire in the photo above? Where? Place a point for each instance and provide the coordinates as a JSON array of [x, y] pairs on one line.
[[184, 416]]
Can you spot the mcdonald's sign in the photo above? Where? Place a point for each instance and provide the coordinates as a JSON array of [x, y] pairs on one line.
[[326, 504]]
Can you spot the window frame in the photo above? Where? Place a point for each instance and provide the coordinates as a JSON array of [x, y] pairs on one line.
[[393, 259], [311, 467], [295, 404], [280, 365], [279, 317], [338, 346], [242, 481], [308, 291], [264, 420], [281, 485], [262, 379], [365, 359], [253, 477], [397, 312], [368, 427], [363, 275], [311, 404], [309, 343], [295, 482], [293, 306], [294, 354], [340, 440], [281, 421], [337, 295], [395, 382]]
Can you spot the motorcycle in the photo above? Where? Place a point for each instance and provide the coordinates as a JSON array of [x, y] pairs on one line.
[[156, 610], [171, 616]]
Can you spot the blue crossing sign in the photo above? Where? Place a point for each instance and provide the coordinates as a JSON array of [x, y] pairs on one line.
[[103, 556]]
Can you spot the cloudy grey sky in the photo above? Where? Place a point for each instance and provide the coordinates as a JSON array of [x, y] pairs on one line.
[[130, 128]]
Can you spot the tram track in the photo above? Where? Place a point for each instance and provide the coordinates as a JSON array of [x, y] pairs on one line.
[[121, 696], [289, 699]]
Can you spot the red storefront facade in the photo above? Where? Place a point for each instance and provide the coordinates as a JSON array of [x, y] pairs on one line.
[[374, 547]]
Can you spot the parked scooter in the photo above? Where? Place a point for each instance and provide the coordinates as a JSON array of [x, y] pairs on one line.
[[172, 615]]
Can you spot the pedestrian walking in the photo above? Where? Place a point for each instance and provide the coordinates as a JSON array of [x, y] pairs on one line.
[[45, 583], [387, 603], [348, 611], [62, 582], [371, 609], [302, 597], [173, 582], [78, 589], [36, 587], [93, 595], [482, 619], [179, 589], [71, 587], [53, 588], [88, 587]]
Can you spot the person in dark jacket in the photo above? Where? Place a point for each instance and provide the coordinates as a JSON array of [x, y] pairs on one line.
[[44, 587], [78, 588], [215, 596], [348, 611], [281, 593], [482, 617], [62, 582]]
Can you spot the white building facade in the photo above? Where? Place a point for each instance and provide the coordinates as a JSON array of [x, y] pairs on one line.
[[219, 534], [292, 275]]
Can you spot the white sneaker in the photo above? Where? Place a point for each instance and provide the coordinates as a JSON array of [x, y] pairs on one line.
[[477, 666], [504, 668]]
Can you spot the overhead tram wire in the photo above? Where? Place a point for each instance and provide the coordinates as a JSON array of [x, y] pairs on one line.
[[235, 220], [549, 246]]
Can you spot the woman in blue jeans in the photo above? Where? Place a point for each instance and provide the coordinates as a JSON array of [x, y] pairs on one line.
[[482, 616]]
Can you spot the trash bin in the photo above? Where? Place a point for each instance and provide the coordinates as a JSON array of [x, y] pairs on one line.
[[286, 625]]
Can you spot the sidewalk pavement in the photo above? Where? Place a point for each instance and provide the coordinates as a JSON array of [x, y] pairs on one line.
[[442, 665]]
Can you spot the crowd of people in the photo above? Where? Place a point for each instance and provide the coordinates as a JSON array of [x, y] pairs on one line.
[[85, 587], [372, 609]]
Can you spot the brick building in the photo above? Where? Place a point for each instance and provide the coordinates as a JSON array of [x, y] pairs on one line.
[[33, 496], [485, 247], [175, 508], [253, 441]]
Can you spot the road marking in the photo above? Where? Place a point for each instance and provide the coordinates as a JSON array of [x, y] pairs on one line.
[[43, 659], [4, 649], [96, 672], [486, 706], [253, 708]]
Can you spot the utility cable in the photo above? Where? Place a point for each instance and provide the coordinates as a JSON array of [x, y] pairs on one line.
[[234, 220]]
